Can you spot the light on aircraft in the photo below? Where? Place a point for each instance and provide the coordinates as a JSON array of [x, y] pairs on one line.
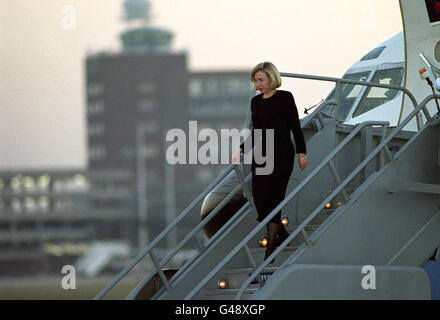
[[222, 284], [263, 242]]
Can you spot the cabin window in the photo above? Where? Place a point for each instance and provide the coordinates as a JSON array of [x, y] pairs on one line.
[[348, 95], [375, 96], [433, 7], [373, 54]]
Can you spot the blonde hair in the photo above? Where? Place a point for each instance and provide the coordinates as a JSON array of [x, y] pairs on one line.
[[271, 71]]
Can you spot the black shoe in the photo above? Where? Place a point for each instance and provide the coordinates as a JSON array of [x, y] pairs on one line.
[[280, 239]]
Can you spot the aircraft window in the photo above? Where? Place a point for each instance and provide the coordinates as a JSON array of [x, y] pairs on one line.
[[348, 95], [433, 7], [374, 96], [373, 54]]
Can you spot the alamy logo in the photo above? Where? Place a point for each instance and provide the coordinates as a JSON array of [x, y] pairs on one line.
[[209, 153], [68, 281], [68, 21], [369, 21], [369, 281]]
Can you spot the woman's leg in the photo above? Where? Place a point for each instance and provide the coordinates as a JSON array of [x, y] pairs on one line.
[[280, 195], [272, 232]]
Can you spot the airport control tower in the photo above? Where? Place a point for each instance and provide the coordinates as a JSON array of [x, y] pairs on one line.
[[141, 37], [133, 98]]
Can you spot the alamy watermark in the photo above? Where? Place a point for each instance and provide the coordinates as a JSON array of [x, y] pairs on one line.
[[369, 280], [369, 17], [68, 20], [69, 281], [209, 152]]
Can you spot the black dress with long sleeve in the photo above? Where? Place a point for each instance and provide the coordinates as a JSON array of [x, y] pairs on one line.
[[277, 112]]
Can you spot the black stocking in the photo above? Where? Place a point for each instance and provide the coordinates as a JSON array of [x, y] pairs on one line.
[[282, 235], [272, 232]]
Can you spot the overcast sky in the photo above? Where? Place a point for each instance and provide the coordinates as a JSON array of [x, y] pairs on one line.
[[43, 46]]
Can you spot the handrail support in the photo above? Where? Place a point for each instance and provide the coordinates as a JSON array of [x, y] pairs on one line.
[[159, 270]]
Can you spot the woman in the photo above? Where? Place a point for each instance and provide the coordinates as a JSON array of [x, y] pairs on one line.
[[273, 109]]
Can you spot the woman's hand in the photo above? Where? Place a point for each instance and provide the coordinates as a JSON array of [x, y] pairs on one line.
[[302, 161], [236, 156]]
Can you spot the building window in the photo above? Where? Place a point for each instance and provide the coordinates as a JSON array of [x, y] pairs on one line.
[[95, 89], [96, 107], [43, 203], [16, 205], [151, 152], [195, 88], [212, 87], [203, 175], [96, 129], [238, 86], [97, 152], [147, 105], [127, 153], [146, 87], [16, 183], [43, 181], [30, 204], [149, 127]]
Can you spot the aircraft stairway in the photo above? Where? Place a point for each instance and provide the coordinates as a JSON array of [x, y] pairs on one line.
[[367, 196]]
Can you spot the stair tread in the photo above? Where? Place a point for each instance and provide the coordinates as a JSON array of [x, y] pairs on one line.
[[288, 248], [309, 227], [212, 292], [247, 270]]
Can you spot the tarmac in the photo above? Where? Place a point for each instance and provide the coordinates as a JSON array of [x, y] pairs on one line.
[[51, 288]]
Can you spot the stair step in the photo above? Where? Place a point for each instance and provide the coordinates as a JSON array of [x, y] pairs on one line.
[[322, 216], [249, 270], [228, 292], [309, 227], [263, 250], [236, 277]]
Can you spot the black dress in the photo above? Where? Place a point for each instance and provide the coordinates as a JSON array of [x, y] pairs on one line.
[[277, 112]]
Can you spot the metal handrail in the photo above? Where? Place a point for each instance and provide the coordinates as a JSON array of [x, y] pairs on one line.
[[300, 228], [363, 83]]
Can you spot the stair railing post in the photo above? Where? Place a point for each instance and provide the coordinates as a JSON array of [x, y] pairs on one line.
[[337, 179], [159, 270], [253, 264], [246, 190]]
